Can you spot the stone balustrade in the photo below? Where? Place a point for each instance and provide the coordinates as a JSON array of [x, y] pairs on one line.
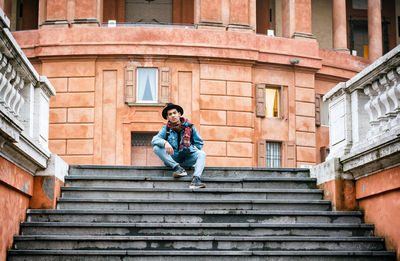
[[24, 105], [364, 117], [383, 106]]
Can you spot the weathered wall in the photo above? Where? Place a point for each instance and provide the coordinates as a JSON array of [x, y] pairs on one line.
[[16, 188], [90, 123], [378, 196]]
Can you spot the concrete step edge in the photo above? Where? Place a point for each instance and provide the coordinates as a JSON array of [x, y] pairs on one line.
[[216, 179], [199, 253], [198, 225], [115, 167], [190, 201], [205, 190], [197, 238], [197, 212]]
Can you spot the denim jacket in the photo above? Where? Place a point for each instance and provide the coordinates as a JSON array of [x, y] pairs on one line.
[[159, 139]]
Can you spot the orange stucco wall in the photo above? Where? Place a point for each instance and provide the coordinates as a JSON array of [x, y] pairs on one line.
[[212, 75], [378, 196], [16, 188], [19, 191], [383, 210]]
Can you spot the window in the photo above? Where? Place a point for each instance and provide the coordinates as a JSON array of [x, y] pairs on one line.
[[273, 154], [148, 11], [321, 111], [271, 102], [147, 85]]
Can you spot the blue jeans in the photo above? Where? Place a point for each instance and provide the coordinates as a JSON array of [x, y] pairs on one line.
[[197, 158]]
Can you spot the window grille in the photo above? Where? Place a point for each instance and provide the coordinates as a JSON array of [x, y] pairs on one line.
[[141, 139], [273, 154]]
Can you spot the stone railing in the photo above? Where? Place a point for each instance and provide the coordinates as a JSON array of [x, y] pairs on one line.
[[24, 106], [364, 117]]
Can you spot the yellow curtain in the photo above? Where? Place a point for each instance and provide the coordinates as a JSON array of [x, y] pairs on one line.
[[272, 102]]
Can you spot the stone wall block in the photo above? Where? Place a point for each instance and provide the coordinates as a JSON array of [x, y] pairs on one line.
[[79, 147], [213, 87], [240, 119], [239, 104], [305, 154], [239, 89], [72, 100], [81, 115], [226, 133], [59, 84], [212, 117], [239, 149], [305, 138], [58, 146], [305, 109], [212, 102], [58, 115], [305, 124], [305, 94], [81, 84], [71, 131], [215, 148]]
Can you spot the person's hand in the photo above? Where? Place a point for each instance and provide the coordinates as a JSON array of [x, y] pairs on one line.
[[168, 148]]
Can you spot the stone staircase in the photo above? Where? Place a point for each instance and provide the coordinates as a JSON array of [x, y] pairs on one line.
[[142, 213]]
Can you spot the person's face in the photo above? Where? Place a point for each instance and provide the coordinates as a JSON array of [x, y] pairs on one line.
[[173, 116]]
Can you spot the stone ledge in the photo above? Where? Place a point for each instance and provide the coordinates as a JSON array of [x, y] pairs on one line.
[[373, 158]]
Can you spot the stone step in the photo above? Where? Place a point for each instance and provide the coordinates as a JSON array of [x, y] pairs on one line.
[[138, 255], [182, 204], [186, 193], [170, 182], [222, 172], [274, 243], [194, 216], [197, 229]]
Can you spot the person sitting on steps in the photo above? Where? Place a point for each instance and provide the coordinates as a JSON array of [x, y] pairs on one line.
[[179, 144]]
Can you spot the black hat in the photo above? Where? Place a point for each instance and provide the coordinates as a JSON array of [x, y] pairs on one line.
[[171, 106]]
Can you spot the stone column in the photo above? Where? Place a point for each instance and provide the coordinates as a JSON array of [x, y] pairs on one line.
[[87, 13], [339, 26], [240, 14], [53, 13], [296, 19], [374, 30], [208, 14]]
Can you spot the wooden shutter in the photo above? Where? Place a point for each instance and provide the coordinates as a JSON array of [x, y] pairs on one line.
[[324, 151], [282, 105], [165, 83], [262, 153], [130, 84], [290, 154], [260, 100], [318, 109]]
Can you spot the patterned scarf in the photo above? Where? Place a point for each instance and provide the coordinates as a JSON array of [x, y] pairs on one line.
[[186, 126]]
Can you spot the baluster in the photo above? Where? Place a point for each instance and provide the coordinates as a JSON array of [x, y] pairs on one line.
[[394, 94], [378, 105], [19, 101], [372, 113], [10, 91], [14, 95], [4, 81], [387, 102]]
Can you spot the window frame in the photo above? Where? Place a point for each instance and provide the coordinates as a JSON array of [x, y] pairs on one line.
[[156, 86], [280, 153]]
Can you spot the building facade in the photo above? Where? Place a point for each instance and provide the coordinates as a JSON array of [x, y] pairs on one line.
[[249, 74]]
